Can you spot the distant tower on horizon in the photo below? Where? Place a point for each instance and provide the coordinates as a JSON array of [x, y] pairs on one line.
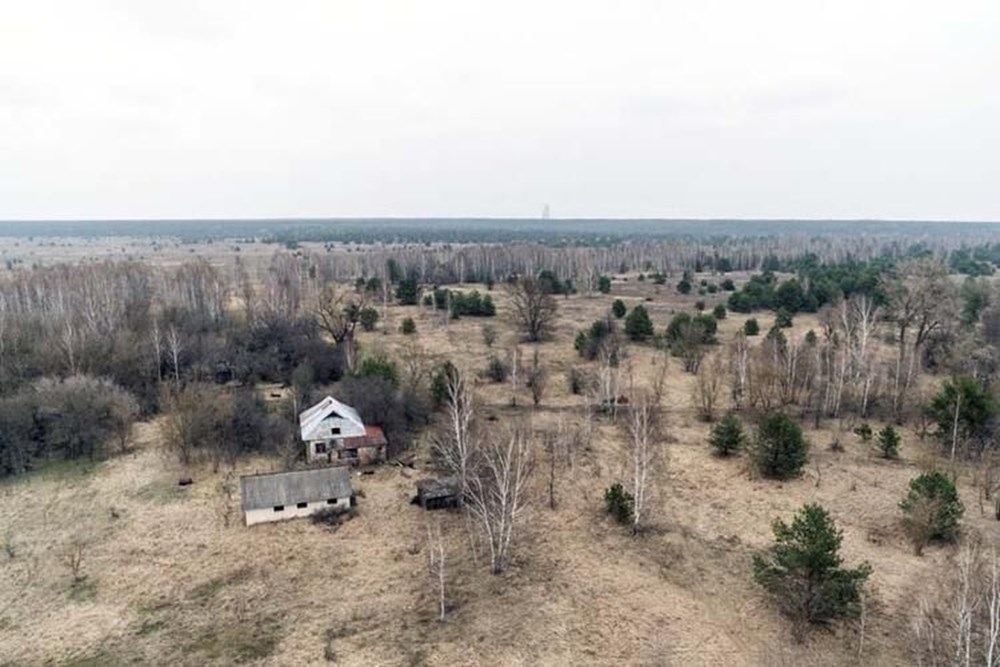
[[545, 212]]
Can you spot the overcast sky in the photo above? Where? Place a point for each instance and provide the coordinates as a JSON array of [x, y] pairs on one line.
[[701, 108]]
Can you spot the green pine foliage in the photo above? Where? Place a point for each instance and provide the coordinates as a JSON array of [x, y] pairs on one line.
[[977, 407], [888, 442], [804, 571], [368, 318], [864, 431], [408, 292], [439, 382], [931, 509], [618, 309], [619, 503], [780, 450], [727, 437], [589, 343], [379, 367], [684, 326], [751, 327], [638, 326]]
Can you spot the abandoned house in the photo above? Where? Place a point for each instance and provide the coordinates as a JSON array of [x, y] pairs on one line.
[[334, 432], [288, 495], [433, 494]]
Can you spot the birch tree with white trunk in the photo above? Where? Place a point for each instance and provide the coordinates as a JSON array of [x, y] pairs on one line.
[[456, 449], [644, 456], [498, 493]]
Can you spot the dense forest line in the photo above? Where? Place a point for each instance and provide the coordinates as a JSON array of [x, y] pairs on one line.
[[563, 232]]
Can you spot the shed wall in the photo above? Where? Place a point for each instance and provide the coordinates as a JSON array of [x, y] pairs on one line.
[[268, 514]]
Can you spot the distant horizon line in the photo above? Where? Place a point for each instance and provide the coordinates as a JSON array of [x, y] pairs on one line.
[[488, 218]]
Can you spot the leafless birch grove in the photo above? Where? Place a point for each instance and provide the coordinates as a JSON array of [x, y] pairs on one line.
[[498, 493]]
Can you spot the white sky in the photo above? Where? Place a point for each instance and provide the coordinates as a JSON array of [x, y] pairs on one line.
[[701, 108]]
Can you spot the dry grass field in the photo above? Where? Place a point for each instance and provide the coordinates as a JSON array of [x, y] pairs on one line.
[[167, 582]]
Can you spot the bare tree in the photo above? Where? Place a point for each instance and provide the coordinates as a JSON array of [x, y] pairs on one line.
[[538, 378], [121, 411], [515, 365], [866, 315], [740, 361], [498, 493], [68, 342], [921, 301], [226, 509], [643, 454], [192, 422], [247, 292], [156, 338], [416, 365], [436, 564], [608, 381], [456, 449], [534, 308], [386, 287], [662, 363], [337, 312], [708, 385], [552, 441], [176, 345], [957, 620], [73, 555]]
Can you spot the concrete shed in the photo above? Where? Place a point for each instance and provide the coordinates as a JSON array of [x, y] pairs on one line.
[[288, 495], [434, 494]]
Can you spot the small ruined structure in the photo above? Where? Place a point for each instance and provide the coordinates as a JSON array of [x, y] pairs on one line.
[[333, 432], [434, 494], [288, 495]]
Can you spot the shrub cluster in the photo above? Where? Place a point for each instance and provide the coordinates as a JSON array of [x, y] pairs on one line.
[[78, 417], [931, 510], [619, 503], [602, 333], [469, 304]]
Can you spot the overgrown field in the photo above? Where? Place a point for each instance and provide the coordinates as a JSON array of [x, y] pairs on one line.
[[112, 562]]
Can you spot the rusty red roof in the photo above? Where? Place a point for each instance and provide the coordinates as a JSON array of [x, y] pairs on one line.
[[373, 437]]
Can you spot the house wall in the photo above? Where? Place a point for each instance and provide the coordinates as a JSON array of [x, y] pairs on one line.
[[311, 454], [268, 514], [348, 428], [334, 454]]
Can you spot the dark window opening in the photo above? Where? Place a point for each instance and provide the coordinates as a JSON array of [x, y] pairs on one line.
[[279, 508], [335, 430], [321, 448], [302, 506], [331, 501]]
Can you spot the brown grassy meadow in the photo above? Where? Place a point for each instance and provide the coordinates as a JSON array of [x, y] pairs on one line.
[[167, 582]]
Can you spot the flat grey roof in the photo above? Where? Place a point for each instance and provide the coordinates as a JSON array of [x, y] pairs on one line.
[[298, 486]]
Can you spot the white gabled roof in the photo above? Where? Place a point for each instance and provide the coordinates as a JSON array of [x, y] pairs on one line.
[[310, 420]]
